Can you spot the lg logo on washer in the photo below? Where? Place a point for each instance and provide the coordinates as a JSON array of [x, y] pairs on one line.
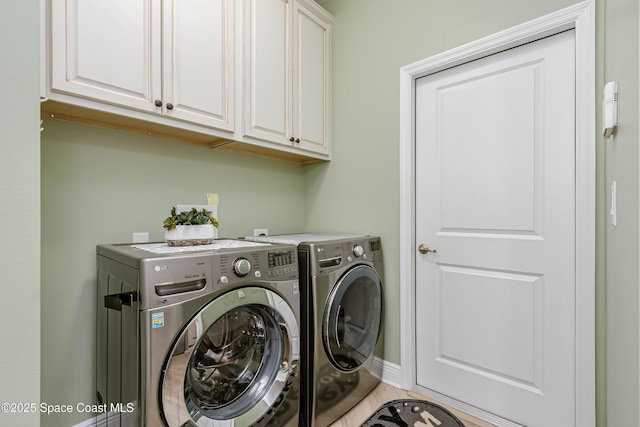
[[159, 268]]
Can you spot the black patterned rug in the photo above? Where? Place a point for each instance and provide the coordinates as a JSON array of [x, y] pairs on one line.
[[410, 413]]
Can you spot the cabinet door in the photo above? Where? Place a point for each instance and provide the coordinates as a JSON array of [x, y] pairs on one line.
[[107, 50], [267, 70], [311, 43], [198, 61]]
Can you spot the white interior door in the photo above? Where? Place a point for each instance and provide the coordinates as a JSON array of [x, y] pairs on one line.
[[495, 200]]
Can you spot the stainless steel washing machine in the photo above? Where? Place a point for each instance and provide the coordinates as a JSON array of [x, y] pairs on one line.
[[342, 293], [198, 336]]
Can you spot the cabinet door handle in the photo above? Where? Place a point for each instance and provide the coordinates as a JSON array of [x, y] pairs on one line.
[[158, 103], [298, 140], [169, 106], [291, 139]]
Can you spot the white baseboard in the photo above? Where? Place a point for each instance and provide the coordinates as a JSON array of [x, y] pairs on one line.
[[391, 373], [97, 421], [86, 423], [101, 420]]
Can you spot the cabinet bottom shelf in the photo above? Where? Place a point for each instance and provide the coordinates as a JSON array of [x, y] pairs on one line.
[[73, 113]]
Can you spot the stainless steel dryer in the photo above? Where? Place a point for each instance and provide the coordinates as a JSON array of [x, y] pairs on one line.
[[206, 336], [342, 293]]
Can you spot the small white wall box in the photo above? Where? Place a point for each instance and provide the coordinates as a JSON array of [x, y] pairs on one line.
[[610, 109]]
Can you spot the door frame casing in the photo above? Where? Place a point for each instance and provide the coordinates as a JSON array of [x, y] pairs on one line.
[[580, 17]]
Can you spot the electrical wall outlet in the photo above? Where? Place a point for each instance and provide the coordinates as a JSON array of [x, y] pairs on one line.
[[260, 232]]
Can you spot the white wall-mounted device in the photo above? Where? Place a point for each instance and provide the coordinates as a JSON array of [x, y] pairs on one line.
[[610, 109], [613, 213]]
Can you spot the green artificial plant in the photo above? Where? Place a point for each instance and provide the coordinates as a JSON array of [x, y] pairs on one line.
[[192, 217]]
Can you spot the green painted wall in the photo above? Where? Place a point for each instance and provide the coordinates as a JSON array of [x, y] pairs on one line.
[[372, 40], [99, 186], [20, 208], [620, 63], [122, 184], [358, 190]]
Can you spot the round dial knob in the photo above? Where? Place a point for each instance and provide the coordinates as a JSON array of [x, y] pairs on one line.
[[241, 267], [358, 251]]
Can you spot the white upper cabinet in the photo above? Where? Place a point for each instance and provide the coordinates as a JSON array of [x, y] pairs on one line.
[[286, 73], [267, 73], [197, 64], [175, 60], [242, 75], [109, 51], [311, 41]]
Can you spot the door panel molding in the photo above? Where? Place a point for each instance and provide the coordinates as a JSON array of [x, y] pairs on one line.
[[580, 17]]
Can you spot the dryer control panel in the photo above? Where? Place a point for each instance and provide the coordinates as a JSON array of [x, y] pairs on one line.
[[328, 256]]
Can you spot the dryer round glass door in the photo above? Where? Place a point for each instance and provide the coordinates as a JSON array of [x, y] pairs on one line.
[[352, 318], [232, 361]]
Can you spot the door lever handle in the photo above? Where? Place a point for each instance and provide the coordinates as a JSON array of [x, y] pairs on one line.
[[424, 249]]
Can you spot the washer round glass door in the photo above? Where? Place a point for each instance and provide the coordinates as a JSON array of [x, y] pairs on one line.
[[231, 362], [352, 318]]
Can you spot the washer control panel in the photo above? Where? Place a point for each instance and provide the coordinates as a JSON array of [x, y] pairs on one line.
[[358, 251], [264, 264], [282, 262], [241, 266]]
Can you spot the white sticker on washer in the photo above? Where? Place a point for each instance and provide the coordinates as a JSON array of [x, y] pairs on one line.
[[157, 320]]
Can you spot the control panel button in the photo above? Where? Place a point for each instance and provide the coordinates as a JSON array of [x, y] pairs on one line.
[[241, 267], [358, 251], [258, 274], [224, 279]]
